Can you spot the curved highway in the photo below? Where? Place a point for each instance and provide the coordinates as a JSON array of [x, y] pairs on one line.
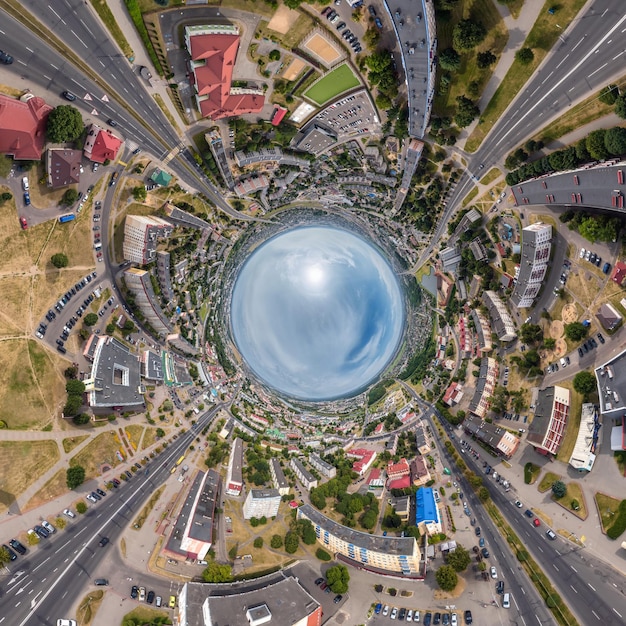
[[44, 584]]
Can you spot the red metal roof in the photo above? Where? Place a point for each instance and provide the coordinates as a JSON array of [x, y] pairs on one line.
[[278, 115], [23, 127], [619, 273], [213, 79]]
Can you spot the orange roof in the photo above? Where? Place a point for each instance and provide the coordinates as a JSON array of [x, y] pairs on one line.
[[213, 79], [23, 127]]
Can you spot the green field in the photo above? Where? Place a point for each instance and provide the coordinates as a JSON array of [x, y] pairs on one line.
[[339, 80]]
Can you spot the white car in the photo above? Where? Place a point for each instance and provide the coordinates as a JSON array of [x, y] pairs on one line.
[[394, 613], [48, 526], [142, 594], [582, 253], [66, 622], [69, 513], [454, 620], [25, 183], [416, 616], [386, 609], [91, 498], [518, 504], [493, 572], [409, 615]]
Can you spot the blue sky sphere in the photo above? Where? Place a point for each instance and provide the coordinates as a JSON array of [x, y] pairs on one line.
[[317, 313]]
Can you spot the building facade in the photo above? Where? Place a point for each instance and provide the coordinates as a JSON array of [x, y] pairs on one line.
[[261, 503], [546, 431], [278, 477], [304, 476], [326, 469], [501, 320], [398, 555], [234, 475], [141, 234], [139, 284], [536, 246]]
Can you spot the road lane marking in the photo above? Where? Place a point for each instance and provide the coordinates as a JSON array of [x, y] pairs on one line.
[[592, 587], [573, 588], [40, 564]]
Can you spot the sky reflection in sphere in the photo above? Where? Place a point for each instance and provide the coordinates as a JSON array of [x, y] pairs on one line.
[[317, 313]]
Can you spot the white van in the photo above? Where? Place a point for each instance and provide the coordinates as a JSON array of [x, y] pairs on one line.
[[506, 601], [563, 363]]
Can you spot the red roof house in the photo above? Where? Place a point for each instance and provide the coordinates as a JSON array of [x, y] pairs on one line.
[[101, 144], [278, 114], [397, 470], [400, 483], [213, 50], [619, 273], [23, 127]]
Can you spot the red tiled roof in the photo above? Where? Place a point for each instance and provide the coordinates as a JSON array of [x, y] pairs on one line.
[[401, 483], [278, 115], [23, 127], [105, 146], [619, 273], [373, 475], [213, 79]]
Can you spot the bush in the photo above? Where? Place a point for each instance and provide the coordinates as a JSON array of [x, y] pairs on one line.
[[619, 525], [322, 555], [276, 542], [59, 260], [291, 542], [258, 542], [81, 507], [447, 578]]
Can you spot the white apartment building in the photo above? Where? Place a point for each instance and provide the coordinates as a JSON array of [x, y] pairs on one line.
[[141, 233], [328, 470], [536, 246], [501, 320], [139, 284], [234, 475], [304, 476], [278, 477], [261, 503]]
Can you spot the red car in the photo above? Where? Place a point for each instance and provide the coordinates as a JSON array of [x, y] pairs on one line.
[[24, 223], [536, 521]]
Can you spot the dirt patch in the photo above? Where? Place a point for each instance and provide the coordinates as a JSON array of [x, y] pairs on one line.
[[283, 20], [560, 349], [322, 48], [31, 458], [457, 592], [71, 442], [293, 69], [53, 489], [557, 329], [569, 313]]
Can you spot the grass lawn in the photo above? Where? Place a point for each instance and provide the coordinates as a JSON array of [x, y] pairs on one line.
[[574, 492], [71, 442], [493, 174], [607, 507], [53, 489], [98, 452], [31, 459], [470, 196], [547, 480], [89, 606], [485, 12], [133, 434], [541, 39], [335, 82], [144, 614], [104, 13], [149, 437], [292, 37], [583, 113], [531, 474]]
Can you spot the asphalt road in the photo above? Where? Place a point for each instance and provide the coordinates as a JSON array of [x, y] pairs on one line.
[[589, 55], [43, 585], [593, 599]]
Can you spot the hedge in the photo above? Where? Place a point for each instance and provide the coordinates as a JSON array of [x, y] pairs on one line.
[[134, 11]]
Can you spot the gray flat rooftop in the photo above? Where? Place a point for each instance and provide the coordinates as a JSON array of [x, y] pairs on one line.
[[285, 600], [611, 379], [375, 543], [202, 517]]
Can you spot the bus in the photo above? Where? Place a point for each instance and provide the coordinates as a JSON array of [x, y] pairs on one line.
[[67, 218], [182, 458]]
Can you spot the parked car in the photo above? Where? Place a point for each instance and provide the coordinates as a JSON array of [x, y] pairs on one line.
[[493, 572], [601, 338], [142, 594], [134, 592], [69, 513]]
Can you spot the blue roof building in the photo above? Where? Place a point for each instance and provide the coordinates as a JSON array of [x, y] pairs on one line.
[[427, 517]]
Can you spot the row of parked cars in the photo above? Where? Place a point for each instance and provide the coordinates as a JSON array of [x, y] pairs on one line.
[[410, 615], [139, 593], [594, 259], [347, 34]]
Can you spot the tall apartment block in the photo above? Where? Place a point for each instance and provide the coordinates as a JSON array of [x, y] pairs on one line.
[[141, 233], [139, 284], [261, 503], [278, 477], [328, 470], [501, 320], [536, 245], [234, 476]]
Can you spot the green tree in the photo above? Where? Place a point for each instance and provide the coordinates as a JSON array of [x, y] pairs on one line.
[[609, 94], [595, 144], [371, 37], [91, 319], [307, 532], [110, 329], [276, 542], [5, 556], [59, 260], [620, 105], [69, 197], [575, 331], [466, 112], [75, 476], [5, 196], [558, 488], [549, 343], [129, 326], [383, 101], [140, 193], [615, 140], [584, 382], [75, 387], [64, 124], [258, 542], [446, 577], [291, 542], [485, 59], [459, 559], [531, 333], [81, 507], [338, 578], [73, 404], [368, 519], [525, 56], [449, 59], [274, 55], [160, 433], [81, 418], [499, 399], [468, 34], [217, 573]]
